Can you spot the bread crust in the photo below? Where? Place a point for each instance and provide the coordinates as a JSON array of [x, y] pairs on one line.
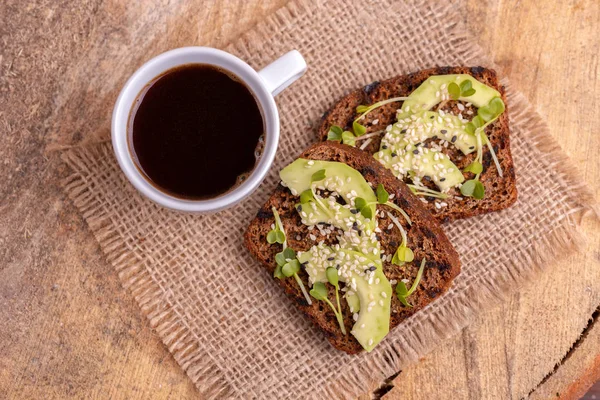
[[425, 237], [501, 192]]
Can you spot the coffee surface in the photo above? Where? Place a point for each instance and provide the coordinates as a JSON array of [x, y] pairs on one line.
[[196, 131]]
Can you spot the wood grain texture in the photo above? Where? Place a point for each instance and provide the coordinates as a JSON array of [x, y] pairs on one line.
[[549, 50], [68, 329]]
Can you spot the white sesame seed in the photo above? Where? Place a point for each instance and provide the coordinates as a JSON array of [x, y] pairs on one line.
[[355, 317], [381, 303], [311, 162], [370, 342], [312, 237], [383, 294]]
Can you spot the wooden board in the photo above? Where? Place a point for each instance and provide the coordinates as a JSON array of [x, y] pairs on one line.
[[68, 329]]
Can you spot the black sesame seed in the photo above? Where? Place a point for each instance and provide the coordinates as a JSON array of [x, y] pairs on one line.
[[444, 131], [331, 259], [429, 198], [355, 225], [300, 207], [432, 117], [415, 151], [394, 154], [453, 139], [359, 232], [427, 178], [442, 179], [418, 144], [384, 147], [337, 266], [354, 211], [471, 148], [403, 131], [372, 268], [434, 137]]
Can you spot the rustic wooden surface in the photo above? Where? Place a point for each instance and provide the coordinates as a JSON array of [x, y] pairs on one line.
[[69, 330]]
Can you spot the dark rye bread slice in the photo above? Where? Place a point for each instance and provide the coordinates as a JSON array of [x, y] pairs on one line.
[[425, 237], [500, 192]]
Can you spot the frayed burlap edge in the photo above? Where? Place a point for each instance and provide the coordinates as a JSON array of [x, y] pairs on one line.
[[439, 325]]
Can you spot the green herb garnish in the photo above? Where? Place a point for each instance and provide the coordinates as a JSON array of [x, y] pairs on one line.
[[319, 292], [475, 167], [425, 191], [318, 176], [335, 133], [473, 188], [464, 90], [401, 290], [338, 134], [364, 110], [403, 253], [358, 129], [333, 278], [287, 263]]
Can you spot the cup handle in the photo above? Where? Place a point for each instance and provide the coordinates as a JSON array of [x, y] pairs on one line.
[[282, 72]]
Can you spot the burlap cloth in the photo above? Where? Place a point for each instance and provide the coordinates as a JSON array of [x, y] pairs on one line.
[[224, 319]]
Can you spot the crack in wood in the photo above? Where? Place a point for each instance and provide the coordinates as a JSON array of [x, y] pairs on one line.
[[591, 322], [385, 387]]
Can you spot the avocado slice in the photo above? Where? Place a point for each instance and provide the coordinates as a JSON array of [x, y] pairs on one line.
[[424, 97], [357, 254], [339, 178], [370, 292], [428, 162]]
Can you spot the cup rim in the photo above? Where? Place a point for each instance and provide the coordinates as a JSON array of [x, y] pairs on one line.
[[144, 75]]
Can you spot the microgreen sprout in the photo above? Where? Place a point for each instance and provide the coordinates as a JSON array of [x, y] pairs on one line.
[[319, 292], [402, 292], [464, 90], [337, 134], [403, 254], [420, 190], [364, 110], [332, 277], [287, 263]]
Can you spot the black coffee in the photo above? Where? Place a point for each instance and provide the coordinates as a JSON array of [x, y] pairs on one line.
[[197, 131]]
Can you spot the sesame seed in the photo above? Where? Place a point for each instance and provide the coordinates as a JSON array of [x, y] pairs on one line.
[[375, 121], [383, 294], [460, 107], [355, 317], [442, 179], [370, 342], [362, 325], [312, 237], [381, 303], [311, 162], [298, 237], [416, 151], [453, 139]]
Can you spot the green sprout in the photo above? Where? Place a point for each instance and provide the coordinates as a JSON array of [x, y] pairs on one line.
[[403, 253], [464, 90], [337, 134], [402, 292], [287, 263], [420, 190], [485, 116], [319, 292]]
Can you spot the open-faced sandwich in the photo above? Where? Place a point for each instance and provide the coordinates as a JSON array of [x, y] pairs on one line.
[[351, 245], [443, 131]]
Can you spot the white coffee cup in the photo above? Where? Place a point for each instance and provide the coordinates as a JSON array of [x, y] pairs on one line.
[[264, 84]]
